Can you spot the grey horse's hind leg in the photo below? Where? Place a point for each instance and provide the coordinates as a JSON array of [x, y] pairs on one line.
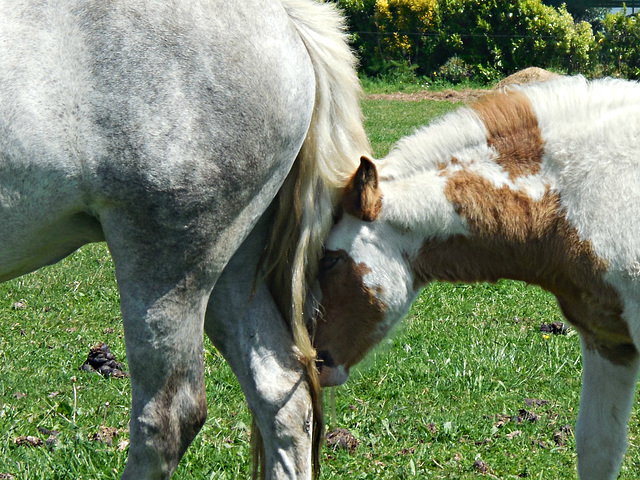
[[163, 301], [255, 340]]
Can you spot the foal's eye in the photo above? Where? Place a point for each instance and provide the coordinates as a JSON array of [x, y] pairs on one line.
[[330, 260]]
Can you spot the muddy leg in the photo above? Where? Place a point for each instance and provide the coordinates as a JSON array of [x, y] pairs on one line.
[[164, 291], [164, 351]]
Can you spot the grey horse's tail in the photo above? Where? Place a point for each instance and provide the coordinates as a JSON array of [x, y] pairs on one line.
[[305, 204]]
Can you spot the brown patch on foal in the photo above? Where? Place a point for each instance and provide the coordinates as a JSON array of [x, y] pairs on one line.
[[513, 131], [514, 236], [349, 308]]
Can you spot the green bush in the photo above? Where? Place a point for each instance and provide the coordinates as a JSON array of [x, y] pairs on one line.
[[484, 40], [507, 35], [619, 41], [455, 70], [364, 34], [390, 33]]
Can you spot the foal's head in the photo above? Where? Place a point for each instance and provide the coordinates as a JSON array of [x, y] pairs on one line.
[[365, 278]]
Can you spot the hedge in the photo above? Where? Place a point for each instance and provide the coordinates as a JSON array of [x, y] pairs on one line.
[[487, 39]]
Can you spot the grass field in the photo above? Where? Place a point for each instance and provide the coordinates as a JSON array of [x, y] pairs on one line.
[[467, 387]]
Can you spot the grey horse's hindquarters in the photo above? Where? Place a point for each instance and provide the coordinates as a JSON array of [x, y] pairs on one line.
[[168, 128]]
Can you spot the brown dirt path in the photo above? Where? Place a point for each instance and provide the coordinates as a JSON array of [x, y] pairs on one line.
[[528, 75]]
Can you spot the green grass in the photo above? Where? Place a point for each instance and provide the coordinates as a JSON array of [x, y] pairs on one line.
[[434, 398], [66, 309], [413, 85], [388, 120]]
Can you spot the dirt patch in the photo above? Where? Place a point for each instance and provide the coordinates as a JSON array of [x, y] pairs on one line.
[[467, 95], [528, 75], [464, 95]]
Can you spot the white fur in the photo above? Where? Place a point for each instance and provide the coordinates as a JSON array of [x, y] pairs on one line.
[[593, 160], [426, 214], [605, 404]]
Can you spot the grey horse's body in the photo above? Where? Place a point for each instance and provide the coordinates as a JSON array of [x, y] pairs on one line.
[[165, 128]]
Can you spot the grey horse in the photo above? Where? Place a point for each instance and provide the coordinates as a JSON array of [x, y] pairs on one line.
[[168, 129]]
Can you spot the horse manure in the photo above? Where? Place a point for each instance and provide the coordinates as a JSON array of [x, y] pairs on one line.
[[52, 435], [555, 328], [481, 466], [104, 362], [560, 437], [342, 438], [105, 435], [29, 441], [534, 402], [407, 451], [525, 415]]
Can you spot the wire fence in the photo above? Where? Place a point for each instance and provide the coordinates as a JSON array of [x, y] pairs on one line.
[[471, 35]]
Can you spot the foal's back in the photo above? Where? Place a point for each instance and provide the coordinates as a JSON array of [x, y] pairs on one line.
[[591, 133]]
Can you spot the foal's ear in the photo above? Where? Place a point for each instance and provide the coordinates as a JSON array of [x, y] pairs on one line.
[[362, 197]]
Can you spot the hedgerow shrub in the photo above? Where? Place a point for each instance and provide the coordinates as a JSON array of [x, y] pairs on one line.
[[364, 33], [455, 70], [389, 34], [554, 40], [484, 40], [499, 37], [403, 22], [619, 42], [492, 37]]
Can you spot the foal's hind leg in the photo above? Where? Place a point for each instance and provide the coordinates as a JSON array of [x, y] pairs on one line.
[[605, 404]]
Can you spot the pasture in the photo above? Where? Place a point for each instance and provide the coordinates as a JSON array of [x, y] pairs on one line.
[[468, 387]]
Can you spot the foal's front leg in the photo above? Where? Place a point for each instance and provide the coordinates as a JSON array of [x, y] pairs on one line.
[[605, 404]]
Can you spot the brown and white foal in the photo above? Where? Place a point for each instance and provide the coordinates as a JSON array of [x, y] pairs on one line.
[[540, 184]]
